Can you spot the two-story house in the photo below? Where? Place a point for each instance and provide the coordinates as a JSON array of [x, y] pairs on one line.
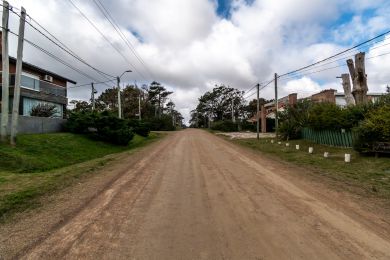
[[38, 86]]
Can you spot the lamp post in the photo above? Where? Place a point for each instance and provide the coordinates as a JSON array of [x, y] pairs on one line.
[[118, 80]]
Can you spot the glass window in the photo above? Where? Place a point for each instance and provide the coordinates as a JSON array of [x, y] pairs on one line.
[[29, 103], [30, 83]]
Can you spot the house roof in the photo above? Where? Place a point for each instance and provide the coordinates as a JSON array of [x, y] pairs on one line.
[[36, 68]]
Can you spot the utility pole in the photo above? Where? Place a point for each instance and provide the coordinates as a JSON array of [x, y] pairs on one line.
[[19, 61], [5, 76], [257, 112], [139, 106], [233, 118], [276, 102], [118, 80], [93, 96]]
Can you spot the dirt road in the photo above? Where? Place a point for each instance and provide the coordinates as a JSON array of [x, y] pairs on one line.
[[197, 196]]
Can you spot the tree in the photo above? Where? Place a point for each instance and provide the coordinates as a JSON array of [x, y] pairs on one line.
[[130, 96], [217, 105], [81, 106], [387, 89], [108, 100], [157, 95], [251, 108]]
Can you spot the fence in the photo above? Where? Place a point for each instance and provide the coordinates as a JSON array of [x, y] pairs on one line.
[[327, 137], [37, 125]]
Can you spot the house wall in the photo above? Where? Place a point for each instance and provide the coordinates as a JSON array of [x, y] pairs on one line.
[[327, 95], [37, 125]]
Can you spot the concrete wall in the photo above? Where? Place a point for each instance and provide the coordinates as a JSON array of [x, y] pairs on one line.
[[37, 125]]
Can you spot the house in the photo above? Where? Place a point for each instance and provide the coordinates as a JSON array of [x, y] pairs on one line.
[[327, 95], [38, 86], [340, 98]]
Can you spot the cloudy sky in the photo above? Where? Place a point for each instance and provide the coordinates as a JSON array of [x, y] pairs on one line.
[[191, 45]]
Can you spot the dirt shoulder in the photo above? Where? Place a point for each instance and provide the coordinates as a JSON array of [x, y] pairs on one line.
[[333, 175], [27, 228]]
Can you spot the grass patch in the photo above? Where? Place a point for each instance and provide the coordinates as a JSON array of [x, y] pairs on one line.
[[42, 164], [370, 173]]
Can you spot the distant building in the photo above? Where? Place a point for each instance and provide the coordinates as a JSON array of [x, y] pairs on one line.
[[340, 98], [327, 95]]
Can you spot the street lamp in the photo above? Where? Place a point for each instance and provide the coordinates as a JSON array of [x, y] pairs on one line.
[[118, 80]]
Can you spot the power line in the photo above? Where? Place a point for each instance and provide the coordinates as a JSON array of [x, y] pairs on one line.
[[61, 45], [89, 84], [345, 57], [335, 55], [115, 25], [53, 56], [105, 37]]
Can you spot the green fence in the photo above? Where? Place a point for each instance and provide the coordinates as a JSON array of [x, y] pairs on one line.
[[327, 137]]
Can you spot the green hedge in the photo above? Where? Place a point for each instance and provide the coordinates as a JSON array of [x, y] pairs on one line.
[[103, 126]]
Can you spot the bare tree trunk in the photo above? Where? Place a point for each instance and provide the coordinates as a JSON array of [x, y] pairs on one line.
[[359, 78], [347, 89]]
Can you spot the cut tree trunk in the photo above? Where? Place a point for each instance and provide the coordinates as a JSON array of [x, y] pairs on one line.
[[359, 78], [350, 100]]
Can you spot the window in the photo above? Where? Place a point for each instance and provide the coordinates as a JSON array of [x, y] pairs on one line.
[[29, 103], [29, 81]]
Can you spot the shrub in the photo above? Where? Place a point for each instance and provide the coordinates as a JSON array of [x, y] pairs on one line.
[[325, 116], [375, 128], [293, 119], [224, 126], [140, 127], [80, 122], [100, 126], [161, 124]]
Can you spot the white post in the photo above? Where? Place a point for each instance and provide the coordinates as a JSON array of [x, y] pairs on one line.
[[287, 144], [297, 146], [5, 76], [326, 154], [19, 61], [347, 158], [311, 149]]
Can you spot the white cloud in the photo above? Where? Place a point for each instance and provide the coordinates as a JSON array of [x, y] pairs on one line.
[[190, 49]]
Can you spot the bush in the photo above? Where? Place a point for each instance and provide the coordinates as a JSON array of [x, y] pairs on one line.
[[293, 119], [224, 126], [374, 128], [100, 126], [140, 128], [80, 122], [161, 124], [325, 116]]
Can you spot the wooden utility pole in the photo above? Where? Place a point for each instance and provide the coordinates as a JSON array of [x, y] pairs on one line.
[[359, 78], [118, 80], [5, 76], [139, 106], [93, 96], [276, 102], [346, 82], [257, 112], [18, 74], [233, 118]]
